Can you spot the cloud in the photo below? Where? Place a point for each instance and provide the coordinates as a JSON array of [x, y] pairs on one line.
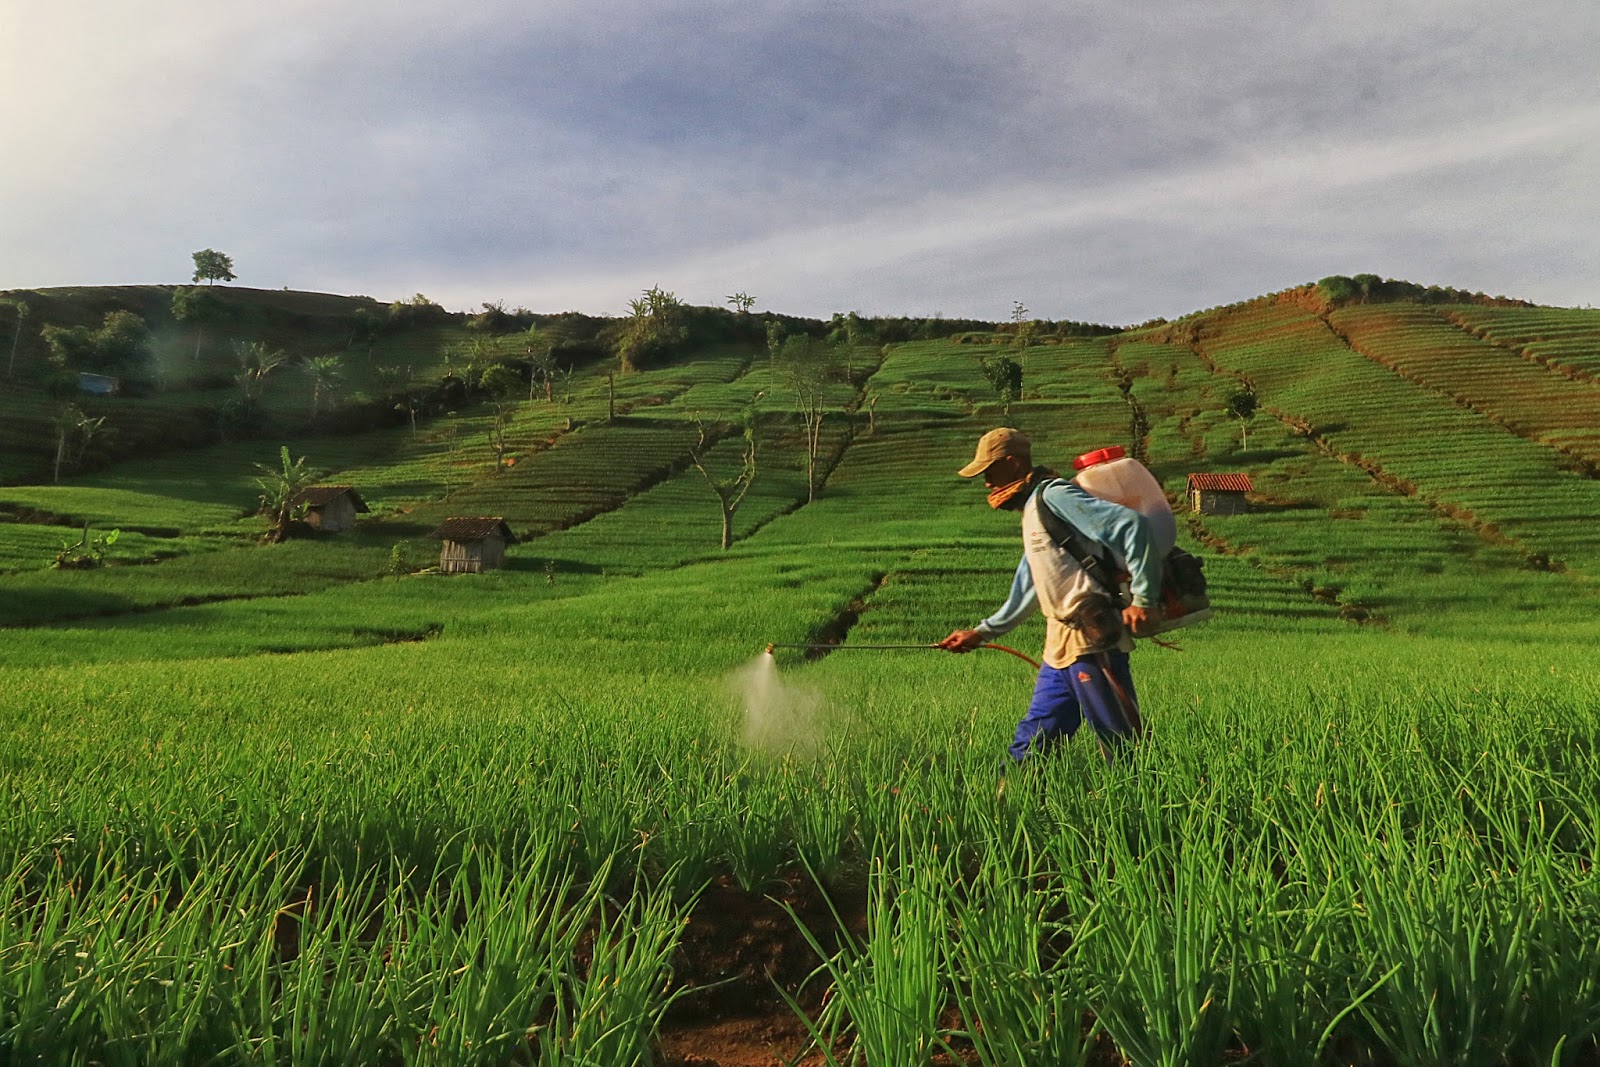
[[887, 156]]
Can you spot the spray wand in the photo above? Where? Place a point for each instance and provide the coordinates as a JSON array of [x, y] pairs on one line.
[[872, 648]]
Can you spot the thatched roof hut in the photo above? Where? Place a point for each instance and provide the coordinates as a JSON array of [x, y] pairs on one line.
[[331, 508], [473, 543]]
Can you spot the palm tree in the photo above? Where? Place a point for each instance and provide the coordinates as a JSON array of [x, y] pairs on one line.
[[256, 361], [325, 372]]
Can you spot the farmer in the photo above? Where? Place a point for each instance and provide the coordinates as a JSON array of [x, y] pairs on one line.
[[1087, 637]]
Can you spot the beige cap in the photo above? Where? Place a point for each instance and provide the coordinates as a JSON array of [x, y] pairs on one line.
[[998, 444]]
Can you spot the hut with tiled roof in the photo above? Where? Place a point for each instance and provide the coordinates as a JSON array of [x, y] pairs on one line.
[[331, 508], [473, 543], [1219, 494]]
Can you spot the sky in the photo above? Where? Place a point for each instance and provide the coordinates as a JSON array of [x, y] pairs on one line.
[[1099, 160]]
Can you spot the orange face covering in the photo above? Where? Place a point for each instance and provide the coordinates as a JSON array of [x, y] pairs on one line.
[[1001, 495]]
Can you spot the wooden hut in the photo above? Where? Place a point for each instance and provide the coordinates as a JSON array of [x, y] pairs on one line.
[[331, 508], [473, 544], [1219, 494]]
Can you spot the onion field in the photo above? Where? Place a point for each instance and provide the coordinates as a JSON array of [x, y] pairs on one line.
[[313, 803]]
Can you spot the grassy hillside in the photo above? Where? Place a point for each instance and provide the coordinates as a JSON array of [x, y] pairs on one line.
[[311, 802]]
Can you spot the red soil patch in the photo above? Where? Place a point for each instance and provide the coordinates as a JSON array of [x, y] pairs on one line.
[[739, 949]]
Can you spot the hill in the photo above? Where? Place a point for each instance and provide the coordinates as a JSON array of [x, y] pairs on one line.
[[1353, 389], [265, 789]]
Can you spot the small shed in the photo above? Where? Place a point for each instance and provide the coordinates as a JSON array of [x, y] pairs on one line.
[[331, 508], [99, 384], [1219, 494], [473, 543]]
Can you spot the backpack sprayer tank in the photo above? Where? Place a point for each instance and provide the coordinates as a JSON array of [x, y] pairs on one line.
[[1111, 474]]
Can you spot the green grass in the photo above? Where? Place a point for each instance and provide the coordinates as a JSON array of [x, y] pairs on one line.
[[341, 816]]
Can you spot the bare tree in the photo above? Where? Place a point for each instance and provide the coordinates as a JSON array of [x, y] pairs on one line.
[[498, 382], [21, 308], [806, 367], [730, 489], [75, 430], [542, 357]]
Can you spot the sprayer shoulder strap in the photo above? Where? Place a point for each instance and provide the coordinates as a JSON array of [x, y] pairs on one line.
[[1099, 569]]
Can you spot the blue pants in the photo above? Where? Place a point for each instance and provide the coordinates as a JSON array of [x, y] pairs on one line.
[[1098, 686]]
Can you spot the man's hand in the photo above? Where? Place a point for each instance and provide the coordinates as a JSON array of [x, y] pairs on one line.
[[1138, 620], [962, 641]]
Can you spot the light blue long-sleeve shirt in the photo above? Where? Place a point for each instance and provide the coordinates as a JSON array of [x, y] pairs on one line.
[[1123, 530]]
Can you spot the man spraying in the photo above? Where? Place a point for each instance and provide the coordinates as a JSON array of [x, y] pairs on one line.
[[1088, 635]]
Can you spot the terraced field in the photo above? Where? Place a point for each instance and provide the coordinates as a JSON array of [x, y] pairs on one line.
[[311, 803], [1452, 457], [1360, 545], [1426, 347], [1567, 340]]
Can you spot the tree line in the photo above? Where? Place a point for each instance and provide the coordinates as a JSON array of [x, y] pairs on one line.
[[1338, 290]]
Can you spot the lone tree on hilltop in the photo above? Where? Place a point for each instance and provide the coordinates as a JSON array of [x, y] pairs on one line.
[[213, 266], [742, 302], [730, 489]]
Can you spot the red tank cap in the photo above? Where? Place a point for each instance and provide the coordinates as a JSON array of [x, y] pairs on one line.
[[1099, 455]]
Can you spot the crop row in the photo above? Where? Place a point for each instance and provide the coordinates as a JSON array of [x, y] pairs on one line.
[[1525, 397], [1348, 540], [1373, 816], [1567, 340], [1452, 457]]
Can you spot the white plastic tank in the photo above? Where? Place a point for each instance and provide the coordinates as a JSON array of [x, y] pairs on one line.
[[1111, 474]]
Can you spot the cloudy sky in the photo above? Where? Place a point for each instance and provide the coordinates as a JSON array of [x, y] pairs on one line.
[[1108, 160]]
